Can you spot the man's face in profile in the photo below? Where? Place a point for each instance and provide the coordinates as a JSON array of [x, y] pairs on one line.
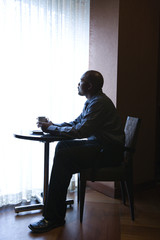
[[83, 86]]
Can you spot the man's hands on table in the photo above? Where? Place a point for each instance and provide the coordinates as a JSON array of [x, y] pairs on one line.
[[44, 125]]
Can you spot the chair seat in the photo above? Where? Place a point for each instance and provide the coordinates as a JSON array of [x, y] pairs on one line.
[[105, 174]]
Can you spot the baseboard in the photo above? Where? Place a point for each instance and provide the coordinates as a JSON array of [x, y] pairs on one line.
[[115, 191], [100, 187]]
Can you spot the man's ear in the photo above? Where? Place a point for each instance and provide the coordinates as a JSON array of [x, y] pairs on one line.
[[90, 86]]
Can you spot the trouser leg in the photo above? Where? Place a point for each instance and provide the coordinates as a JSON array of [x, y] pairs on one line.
[[70, 157]]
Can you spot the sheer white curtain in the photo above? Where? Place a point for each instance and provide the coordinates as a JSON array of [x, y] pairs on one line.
[[44, 47]]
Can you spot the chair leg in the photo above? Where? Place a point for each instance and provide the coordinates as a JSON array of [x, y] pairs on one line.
[[78, 188], [82, 197], [129, 187], [122, 184]]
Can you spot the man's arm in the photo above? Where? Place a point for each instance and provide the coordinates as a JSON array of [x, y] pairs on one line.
[[69, 124], [84, 126]]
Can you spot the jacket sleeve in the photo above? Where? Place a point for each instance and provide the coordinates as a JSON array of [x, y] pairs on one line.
[[84, 126]]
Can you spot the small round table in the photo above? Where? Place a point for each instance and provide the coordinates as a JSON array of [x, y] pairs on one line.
[[46, 139]]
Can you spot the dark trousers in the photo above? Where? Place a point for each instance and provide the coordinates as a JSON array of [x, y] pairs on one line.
[[70, 157]]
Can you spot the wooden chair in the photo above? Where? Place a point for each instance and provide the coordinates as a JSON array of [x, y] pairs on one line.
[[122, 173]]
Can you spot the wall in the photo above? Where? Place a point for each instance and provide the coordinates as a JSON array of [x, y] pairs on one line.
[[137, 78], [104, 18], [104, 42], [124, 48]]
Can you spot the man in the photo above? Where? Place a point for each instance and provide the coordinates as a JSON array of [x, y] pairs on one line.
[[100, 123]]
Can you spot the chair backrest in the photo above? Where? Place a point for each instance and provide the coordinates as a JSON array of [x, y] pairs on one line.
[[131, 132]]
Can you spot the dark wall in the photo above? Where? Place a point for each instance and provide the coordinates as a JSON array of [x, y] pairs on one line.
[[137, 77], [124, 39]]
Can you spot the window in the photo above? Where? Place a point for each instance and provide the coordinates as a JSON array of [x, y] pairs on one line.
[[44, 48]]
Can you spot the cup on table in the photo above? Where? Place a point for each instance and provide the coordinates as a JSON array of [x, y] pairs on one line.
[[42, 119]]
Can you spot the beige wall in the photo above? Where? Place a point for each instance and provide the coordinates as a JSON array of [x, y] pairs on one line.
[[104, 18], [104, 42], [124, 47]]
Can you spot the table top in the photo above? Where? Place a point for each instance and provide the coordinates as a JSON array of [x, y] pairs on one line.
[[38, 136]]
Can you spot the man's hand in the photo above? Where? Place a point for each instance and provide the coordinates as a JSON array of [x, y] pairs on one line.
[[44, 125]]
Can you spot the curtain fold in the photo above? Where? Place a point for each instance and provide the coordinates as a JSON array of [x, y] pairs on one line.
[[44, 48]]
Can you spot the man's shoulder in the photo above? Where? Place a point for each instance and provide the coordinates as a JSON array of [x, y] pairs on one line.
[[102, 103], [101, 98]]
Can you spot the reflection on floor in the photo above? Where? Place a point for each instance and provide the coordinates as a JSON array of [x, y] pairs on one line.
[[104, 218]]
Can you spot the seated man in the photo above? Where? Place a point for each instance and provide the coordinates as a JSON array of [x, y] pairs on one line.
[[101, 124]]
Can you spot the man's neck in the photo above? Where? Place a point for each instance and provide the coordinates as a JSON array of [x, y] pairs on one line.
[[91, 95]]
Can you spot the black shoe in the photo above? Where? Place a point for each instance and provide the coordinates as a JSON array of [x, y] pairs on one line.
[[44, 225]]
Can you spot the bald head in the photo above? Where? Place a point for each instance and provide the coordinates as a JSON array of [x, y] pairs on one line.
[[90, 84], [95, 78]]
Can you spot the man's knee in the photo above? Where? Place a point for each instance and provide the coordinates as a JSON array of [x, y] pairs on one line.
[[66, 145], [62, 152], [60, 145]]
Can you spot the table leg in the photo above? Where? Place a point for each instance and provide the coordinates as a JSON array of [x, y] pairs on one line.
[[45, 186], [46, 170]]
